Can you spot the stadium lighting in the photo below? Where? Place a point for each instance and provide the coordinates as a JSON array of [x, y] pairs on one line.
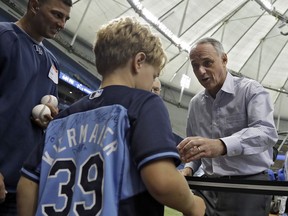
[[185, 81]]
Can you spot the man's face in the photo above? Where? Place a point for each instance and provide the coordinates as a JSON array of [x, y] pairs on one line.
[[51, 17], [209, 67], [156, 87]]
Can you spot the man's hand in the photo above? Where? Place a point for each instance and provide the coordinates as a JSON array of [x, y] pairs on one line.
[[48, 118], [194, 148], [187, 171]]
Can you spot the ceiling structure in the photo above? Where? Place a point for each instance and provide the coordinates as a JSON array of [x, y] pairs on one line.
[[254, 39], [250, 35]]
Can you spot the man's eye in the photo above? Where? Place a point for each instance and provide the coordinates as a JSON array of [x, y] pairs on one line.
[[207, 63], [58, 15], [195, 66]]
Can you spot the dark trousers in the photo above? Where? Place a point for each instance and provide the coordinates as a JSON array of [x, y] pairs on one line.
[[237, 204], [9, 207]]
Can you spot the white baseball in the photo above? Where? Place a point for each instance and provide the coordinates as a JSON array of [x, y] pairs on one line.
[[49, 99], [39, 111]]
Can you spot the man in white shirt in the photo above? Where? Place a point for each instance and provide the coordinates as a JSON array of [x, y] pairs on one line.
[[230, 130]]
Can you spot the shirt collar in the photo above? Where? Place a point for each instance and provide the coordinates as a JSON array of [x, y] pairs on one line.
[[228, 85]]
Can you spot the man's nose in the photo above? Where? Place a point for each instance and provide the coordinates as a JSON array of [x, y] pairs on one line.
[[202, 69]]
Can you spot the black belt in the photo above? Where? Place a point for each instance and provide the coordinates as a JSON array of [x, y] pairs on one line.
[[235, 176]]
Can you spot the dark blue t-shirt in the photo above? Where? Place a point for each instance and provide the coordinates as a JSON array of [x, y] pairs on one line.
[[24, 68]]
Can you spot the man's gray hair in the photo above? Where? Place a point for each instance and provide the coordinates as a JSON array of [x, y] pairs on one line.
[[215, 43]]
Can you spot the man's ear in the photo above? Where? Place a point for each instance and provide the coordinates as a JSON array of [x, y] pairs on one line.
[[34, 6], [138, 61], [224, 59]]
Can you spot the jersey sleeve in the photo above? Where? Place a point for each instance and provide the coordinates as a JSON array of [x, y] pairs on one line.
[[31, 167], [152, 137]]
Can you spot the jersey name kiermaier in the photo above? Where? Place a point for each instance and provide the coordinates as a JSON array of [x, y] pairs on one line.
[[80, 147]]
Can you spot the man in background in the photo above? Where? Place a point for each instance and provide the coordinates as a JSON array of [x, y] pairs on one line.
[[28, 71], [156, 87]]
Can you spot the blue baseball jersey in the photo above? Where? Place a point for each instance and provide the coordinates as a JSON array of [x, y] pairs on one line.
[[24, 79], [93, 153]]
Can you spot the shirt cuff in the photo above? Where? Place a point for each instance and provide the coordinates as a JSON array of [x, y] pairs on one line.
[[233, 145]]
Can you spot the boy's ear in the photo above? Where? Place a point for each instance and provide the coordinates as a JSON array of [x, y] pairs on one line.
[[139, 59]]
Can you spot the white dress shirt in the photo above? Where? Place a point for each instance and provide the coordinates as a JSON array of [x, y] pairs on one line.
[[241, 115]]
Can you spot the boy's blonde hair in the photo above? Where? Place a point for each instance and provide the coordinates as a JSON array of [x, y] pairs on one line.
[[121, 39]]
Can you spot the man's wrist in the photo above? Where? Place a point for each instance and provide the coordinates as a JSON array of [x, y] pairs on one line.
[[224, 152]]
